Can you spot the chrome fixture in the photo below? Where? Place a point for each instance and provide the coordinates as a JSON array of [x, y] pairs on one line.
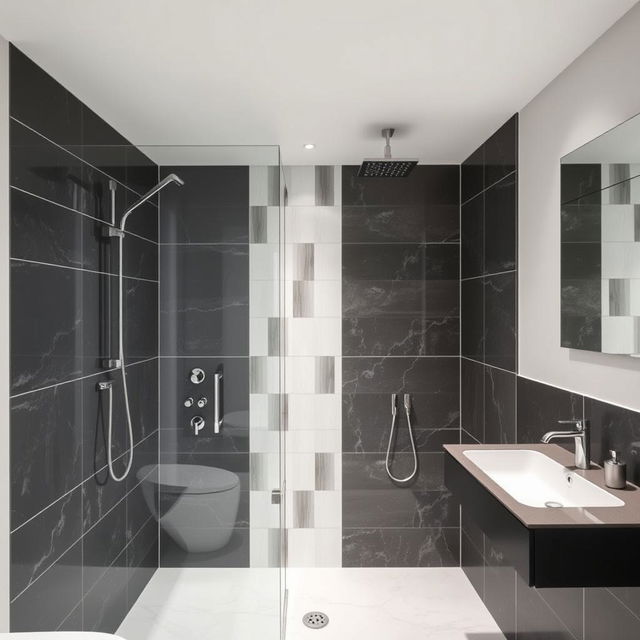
[[202, 403], [386, 167], [582, 439], [197, 375], [188, 402], [276, 496], [197, 422], [394, 412], [120, 362], [217, 420]]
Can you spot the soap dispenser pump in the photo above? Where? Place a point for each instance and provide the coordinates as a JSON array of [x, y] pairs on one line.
[[615, 472]]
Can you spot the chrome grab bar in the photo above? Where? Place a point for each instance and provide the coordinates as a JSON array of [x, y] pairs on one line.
[[217, 419]]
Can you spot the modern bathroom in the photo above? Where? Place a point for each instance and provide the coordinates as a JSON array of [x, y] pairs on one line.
[[320, 321]]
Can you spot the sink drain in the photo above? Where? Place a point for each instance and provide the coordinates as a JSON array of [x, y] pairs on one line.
[[315, 619], [553, 505]]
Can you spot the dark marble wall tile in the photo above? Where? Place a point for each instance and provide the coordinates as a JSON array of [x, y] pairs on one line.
[[212, 206], [63, 320], [38, 544], [46, 448], [400, 547], [366, 471], [103, 543], [400, 261], [204, 300], [500, 222], [437, 377], [427, 185], [567, 605], [50, 600], [535, 619], [607, 617], [500, 321], [540, 406], [472, 398], [499, 406], [142, 560], [472, 174], [105, 604], [398, 508], [472, 319], [580, 181], [580, 222], [429, 299], [472, 563], [400, 336], [499, 589], [30, 87], [615, 428], [472, 233], [501, 152], [400, 223]]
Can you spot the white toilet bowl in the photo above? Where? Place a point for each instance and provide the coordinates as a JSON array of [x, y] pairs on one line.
[[198, 504]]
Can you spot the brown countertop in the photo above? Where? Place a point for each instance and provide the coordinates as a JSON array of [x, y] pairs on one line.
[[540, 517]]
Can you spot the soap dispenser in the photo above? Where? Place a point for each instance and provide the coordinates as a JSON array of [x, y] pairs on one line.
[[615, 472]]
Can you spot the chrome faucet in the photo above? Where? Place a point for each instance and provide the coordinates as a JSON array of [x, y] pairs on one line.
[[581, 437]]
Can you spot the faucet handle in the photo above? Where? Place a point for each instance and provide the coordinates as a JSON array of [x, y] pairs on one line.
[[579, 424]]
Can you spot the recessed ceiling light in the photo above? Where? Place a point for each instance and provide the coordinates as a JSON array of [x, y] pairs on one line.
[[309, 145]]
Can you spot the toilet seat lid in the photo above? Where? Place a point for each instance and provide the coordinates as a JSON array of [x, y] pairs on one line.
[[189, 478]]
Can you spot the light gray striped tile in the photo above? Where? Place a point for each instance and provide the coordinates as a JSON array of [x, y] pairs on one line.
[[619, 297], [278, 411], [303, 261], [258, 224], [303, 509], [302, 299], [258, 374], [325, 471], [325, 374], [620, 192], [636, 222], [324, 178], [273, 337]]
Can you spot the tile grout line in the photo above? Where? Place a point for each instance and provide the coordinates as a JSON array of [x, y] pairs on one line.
[[75, 488], [81, 213], [91, 375], [485, 189], [81, 269], [489, 275], [73, 155]]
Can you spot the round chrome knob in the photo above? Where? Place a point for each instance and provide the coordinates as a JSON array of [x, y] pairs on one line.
[[188, 402], [202, 403], [197, 375]]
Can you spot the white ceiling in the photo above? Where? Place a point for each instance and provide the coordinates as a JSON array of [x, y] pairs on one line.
[[446, 73]]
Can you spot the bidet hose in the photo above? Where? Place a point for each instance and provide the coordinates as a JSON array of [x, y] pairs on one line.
[[394, 412], [112, 472]]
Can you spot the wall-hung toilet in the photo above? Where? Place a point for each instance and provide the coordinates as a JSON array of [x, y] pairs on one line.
[[198, 504]]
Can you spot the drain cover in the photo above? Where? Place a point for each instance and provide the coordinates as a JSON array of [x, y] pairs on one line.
[[553, 504], [315, 619]]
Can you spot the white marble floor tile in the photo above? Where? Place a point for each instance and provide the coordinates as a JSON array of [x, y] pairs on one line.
[[388, 604]]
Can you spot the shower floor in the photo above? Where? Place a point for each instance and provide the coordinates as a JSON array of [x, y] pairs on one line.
[[242, 604]]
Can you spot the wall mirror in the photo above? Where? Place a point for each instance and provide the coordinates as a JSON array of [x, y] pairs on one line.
[[600, 243]]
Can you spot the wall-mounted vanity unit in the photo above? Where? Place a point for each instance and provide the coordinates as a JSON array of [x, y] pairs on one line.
[[600, 239], [558, 525]]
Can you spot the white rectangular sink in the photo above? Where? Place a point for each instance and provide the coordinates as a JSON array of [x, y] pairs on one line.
[[536, 480]]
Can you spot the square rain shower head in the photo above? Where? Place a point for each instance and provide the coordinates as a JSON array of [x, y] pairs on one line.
[[386, 168]]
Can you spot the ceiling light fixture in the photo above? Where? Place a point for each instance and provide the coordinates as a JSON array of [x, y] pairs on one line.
[[309, 145]]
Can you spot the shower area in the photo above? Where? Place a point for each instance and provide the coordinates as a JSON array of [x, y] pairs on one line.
[[231, 384]]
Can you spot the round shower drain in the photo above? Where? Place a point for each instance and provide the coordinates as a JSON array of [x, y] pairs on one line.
[[553, 504], [315, 619]]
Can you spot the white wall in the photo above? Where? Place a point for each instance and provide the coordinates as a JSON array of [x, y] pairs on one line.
[[4, 334], [597, 91]]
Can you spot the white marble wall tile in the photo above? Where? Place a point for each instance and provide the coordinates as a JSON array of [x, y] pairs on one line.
[[262, 513], [314, 336], [620, 260], [328, 508], [264, 262], [301, 472], [315, 547], [313, 441], [301, 185], [313, 224], [315, 411], [328, 262], [264, 299]]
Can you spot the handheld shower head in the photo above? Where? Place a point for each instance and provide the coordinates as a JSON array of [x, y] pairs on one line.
[[172, 177], [386, 167]]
